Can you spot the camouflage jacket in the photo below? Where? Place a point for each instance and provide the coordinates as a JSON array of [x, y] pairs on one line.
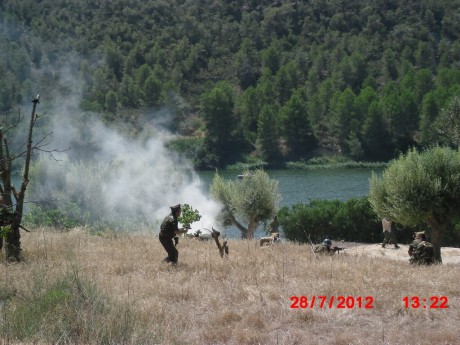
[[421, 252], [322, 249], [169, 226]]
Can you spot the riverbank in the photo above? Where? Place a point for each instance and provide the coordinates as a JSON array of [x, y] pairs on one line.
[[316, 165]]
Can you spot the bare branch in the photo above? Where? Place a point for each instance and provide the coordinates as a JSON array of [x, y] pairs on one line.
[[37, 116], [6, 125], [39, 147], [23, 228], [52, 156], [41, 202]]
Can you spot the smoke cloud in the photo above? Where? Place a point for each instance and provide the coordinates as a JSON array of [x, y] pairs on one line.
[[114, 177]]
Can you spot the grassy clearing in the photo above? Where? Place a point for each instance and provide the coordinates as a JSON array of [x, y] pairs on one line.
[[78, 288]]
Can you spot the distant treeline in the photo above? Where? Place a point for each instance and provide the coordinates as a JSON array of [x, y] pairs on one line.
[[248, 81]]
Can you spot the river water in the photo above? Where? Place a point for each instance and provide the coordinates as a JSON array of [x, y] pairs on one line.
[[302, 186]]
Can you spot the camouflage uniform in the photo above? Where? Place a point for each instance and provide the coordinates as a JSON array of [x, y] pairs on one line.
[[421, 252], [167, 233], [324, 250]]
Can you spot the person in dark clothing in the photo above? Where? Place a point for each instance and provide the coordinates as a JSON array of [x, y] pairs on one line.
[[168, 230], [389, 233], [274, 227]]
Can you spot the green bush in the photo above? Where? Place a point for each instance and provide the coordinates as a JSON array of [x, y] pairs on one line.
[[351, 220], [324, 164], [311, 219], [186, 146], [38, 216], [6, 217], [248, 164]]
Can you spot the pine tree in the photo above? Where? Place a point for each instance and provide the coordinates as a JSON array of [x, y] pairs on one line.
[[296, 127], [268, 133]]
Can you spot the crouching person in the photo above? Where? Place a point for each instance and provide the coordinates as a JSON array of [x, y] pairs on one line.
[[325, 248], [274, 238], [420, 250]]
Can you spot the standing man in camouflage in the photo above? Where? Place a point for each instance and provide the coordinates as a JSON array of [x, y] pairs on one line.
[[168, 230], [388, 232]]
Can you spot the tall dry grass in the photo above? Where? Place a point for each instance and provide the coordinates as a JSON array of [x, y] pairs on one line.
[[80, 288]]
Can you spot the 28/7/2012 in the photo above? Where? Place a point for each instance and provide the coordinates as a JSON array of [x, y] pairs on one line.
[[339, 302]]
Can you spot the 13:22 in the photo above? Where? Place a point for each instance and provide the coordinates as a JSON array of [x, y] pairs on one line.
[[433, 302]]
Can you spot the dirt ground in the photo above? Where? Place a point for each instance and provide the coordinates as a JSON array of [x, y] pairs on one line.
[[449, 255]]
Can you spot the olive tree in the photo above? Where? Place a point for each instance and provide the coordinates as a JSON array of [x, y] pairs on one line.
[[420, 188], [250, 200]]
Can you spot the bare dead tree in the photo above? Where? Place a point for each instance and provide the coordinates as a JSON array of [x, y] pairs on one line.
[[223, 248], [12, 210]]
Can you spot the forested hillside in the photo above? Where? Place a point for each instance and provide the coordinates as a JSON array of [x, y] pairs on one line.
[[247, 80]]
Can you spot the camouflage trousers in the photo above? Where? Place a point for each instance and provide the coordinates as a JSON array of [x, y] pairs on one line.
[[168, 245]]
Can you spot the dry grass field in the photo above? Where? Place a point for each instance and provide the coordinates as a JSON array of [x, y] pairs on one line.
[[78, 288]]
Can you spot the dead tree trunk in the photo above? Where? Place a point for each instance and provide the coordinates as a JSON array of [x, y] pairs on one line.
[[6, 203], [223, 248], [13, 237]]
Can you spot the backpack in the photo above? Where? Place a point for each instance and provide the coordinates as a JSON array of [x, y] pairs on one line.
[[423, 254]]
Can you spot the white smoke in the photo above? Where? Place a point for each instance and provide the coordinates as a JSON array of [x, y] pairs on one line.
[[115, 176]]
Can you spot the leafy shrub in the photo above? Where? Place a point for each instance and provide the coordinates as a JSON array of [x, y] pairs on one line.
[[186, 146], [312, 219], [326, 160], [38, 216], [6, 217], [249, 164], [351, 220], [188, 216], [317, 165]]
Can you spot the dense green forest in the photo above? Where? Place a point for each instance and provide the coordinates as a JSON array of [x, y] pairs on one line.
[[247, 81]]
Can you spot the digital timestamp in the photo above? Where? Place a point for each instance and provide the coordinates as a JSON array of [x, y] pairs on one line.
[[338, 302], [433, 302]]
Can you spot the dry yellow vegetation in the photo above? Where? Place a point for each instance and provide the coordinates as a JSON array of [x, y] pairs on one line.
[[244, 298]]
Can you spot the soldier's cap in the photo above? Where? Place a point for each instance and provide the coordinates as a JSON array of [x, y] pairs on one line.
[[175, 208], [419, 233]]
